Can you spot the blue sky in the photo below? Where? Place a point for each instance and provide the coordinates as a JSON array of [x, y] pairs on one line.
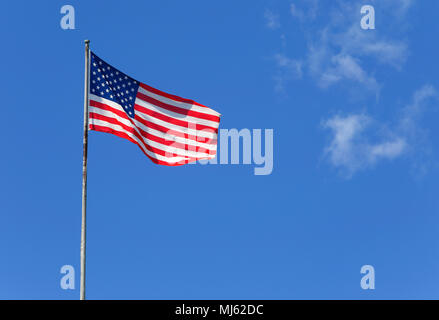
[[355, 176]]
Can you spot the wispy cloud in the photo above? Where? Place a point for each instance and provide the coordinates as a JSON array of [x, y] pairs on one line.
[[361, 43], [398, 7], [306, 11], [340, 51], [359, 142], [287, 69], [272, 20], [344, 66], [412, 113], [350, 148]]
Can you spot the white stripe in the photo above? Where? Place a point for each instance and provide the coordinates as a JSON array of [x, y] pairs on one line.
[[153, 131], [171, 126], [176, 115], [191, 131], [179, 104], [118, 128], [154, 144]]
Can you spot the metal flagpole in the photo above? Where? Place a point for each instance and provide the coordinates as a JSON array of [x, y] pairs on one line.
[[84, 168]]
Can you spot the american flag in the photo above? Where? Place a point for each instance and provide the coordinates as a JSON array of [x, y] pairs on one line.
[[170, 130]]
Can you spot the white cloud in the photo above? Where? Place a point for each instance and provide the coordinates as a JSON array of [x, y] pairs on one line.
[[272, 20], [389, 149], [341, 51], [345, 130], [359, 142], [350, 149], [358, 42], [346, 67], [343, 46]]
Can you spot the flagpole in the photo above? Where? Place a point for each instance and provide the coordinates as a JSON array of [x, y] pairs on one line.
[[84, 169]]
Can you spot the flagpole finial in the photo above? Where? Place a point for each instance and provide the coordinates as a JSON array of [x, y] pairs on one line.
[[86, 41]]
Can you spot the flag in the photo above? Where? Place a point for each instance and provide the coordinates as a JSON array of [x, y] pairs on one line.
[[168, 129]]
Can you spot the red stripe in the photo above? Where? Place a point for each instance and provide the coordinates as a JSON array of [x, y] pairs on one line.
[[147, 146], [153, 125], [106, 107], [152, 137], [175, 109], [170, 96], [175, 121], [157, 127], [125, 136]]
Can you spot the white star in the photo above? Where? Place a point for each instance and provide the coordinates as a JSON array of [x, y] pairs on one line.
[[100, 62]]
